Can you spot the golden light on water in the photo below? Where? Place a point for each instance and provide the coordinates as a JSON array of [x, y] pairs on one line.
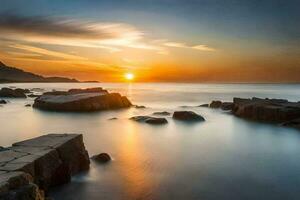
[[129, 76]]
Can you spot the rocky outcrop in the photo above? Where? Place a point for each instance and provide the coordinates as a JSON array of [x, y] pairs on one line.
[[150, 120], [48, 160], [101, 158], [204, 105], [81, 100], [139, 106], [12, 93], [188, 116], [267, 110]]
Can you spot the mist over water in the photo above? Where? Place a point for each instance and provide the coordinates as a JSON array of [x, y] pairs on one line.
[[222, 158]]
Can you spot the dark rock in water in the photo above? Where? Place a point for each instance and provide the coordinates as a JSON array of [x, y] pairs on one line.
[[3, 101], [203, 105], [266, 110], [81, 100], [150, 120], [25, 91], [227, 106], [215, 104], [33, 95], [187, 116], [139, 107], [113, 118], [164, 113], [28, 105], [102, 158], [12, 93]]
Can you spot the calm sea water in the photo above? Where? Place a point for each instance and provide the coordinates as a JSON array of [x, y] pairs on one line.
[[223, 158]]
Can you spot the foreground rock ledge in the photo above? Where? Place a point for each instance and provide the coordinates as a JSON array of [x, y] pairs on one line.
[[29, 168], [81, 100]]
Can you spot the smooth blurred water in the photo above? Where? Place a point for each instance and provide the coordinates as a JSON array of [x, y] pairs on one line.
[[222, 158]]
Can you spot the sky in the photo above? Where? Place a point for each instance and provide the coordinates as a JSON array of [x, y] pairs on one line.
[[157, 40]]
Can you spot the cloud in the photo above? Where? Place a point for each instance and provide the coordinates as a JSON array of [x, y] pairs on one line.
[[47, 52], [200, 47]]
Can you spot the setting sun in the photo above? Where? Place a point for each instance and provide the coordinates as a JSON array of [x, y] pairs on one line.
[[129, 76]]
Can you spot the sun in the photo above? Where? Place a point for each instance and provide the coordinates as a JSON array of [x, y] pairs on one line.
[[129, 76]]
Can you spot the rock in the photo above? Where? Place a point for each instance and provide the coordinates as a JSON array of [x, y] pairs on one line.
[[12, 93], [139, 107], [113, 118], [50, 159], [266, 110], [204, 105], [215, 104], [227, 106], [150, 120], [187, 116], [81, 100], [19, 185], [28, 105], [164, 113], [102, 158], [25, 91], [33, 95], [3, 101]]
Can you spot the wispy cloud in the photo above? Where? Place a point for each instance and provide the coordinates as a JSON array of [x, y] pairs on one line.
[[47, 52], [200, 47]]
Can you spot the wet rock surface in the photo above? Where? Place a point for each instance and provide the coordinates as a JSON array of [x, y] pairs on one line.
[[188, 116], [81, 100], [13, 93], [150, 120], [48, 160], [101, 158]]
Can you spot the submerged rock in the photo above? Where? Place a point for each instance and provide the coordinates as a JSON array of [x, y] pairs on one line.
[[33, 95], [187, 116], [113, 118], [12, 93], [139, 107], [150, 120], [266, 110], [102, 158], [164, 113], [204, 105], [28, 105], [215, 104], [3, 101], [81, 100]]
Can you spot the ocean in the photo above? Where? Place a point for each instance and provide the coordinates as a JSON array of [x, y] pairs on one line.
[[223, 158]]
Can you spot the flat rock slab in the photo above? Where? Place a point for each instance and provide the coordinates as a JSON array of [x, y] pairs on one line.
[[50, 160], [81, 100]]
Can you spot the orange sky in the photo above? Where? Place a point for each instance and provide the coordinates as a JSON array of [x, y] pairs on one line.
[[232, 44]]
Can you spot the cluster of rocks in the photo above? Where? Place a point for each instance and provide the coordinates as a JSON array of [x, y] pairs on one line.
[[186, 116], [81, 100], [279, 111], [29, 168], [13, 93]]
